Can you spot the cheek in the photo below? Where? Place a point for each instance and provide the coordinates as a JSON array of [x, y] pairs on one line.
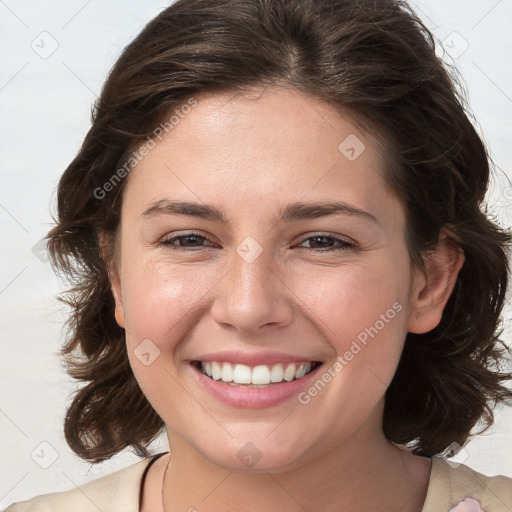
[[361, 312], [159, 300], [161, 306], [346, 300]]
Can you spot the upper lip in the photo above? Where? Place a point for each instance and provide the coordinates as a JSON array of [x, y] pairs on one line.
[[253, 359]]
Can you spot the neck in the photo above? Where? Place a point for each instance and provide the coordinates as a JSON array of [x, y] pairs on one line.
[[365, 472]]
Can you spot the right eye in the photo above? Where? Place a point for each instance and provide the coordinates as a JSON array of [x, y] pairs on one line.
[[194, 239]]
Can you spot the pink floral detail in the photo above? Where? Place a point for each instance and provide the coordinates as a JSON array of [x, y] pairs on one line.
[[467, 505]]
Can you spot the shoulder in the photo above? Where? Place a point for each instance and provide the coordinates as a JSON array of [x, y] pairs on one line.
[[452, 484], [117, 492]]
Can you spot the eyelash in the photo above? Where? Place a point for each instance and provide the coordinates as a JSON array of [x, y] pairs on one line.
[[343, 244]]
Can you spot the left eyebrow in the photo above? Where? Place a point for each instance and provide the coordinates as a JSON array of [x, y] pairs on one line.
[[292, 212], [299, 211]]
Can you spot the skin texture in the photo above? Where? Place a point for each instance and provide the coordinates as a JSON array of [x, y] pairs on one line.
[[251, 155]]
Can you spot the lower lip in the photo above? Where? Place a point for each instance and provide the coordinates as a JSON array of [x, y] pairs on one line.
[[254, 398]]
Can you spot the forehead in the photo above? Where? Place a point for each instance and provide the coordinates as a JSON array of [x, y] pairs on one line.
[[272, 143]]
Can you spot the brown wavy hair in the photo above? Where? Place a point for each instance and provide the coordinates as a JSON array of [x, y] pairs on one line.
[[373, 58]]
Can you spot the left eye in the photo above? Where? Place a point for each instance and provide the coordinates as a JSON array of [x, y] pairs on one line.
[[323, 243], [339, 243]]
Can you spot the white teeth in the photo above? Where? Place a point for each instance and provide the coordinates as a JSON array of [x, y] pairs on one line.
[[289, 373], [241, 374], [276, 374], [216, 370], [227, 372], [258, 375], [302, 370], [261, 374]]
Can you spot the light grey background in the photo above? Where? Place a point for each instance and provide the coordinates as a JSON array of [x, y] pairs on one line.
[[45, 103]]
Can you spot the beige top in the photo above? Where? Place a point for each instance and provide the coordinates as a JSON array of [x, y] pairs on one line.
[[119, 492]]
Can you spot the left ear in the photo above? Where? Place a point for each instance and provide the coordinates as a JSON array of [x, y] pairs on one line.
[[432, 289]]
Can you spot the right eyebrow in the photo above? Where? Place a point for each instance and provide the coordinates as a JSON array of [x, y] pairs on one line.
[[201, 211]]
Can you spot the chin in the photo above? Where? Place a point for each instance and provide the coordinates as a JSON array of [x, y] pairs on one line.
[[254, 457]]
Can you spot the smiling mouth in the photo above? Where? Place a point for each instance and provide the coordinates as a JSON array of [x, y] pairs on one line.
[[256, 376]]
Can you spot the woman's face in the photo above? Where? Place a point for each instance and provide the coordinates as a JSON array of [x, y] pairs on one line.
[[273, 281]]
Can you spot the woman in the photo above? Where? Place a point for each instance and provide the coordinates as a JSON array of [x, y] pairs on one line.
[[275, 236]]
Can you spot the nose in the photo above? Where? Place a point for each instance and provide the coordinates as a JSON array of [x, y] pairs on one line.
[[252, 296]]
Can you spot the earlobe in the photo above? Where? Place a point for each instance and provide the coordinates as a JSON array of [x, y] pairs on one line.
[[432, 289], [115, 283], [115, 286]]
